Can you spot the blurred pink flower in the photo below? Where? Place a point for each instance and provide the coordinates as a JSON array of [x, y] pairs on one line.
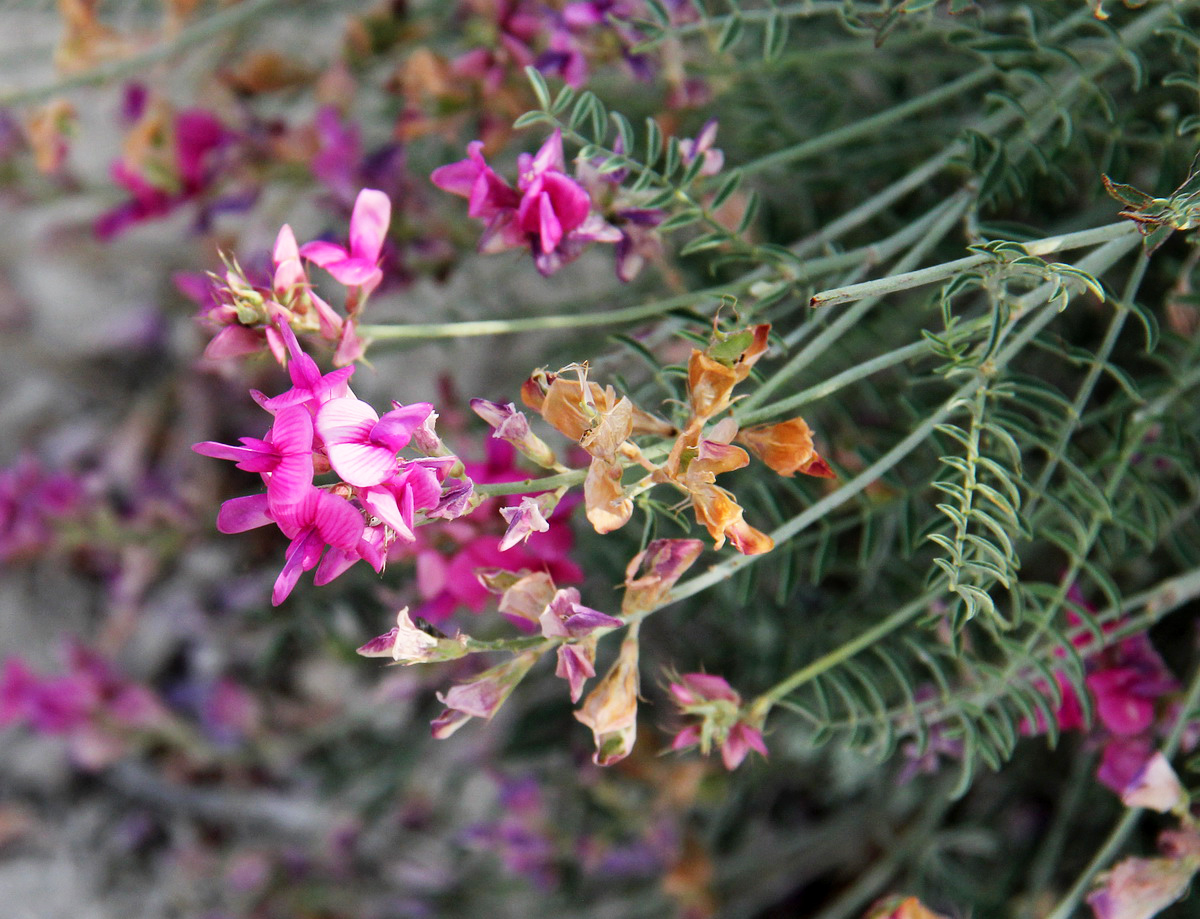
[[357, 266]]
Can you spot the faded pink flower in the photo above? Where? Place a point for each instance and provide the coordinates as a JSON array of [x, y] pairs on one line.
[[723, 722], [1155, 787], [483, 696], [405, 643]]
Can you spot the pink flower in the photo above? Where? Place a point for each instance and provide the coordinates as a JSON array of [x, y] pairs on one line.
[[361, 445], [285, 453], [723, 721], [291, 287], [702, 147], [567, 619], [483, 696], [309, 386], [527, 518], [359, 265], [320, 519], [548, 211]]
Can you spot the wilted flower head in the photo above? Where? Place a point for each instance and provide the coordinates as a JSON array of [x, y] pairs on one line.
[[610, 709], [786, 447], [1155, 787], [407, 644], [512, 426], [527, 518], [661, 564]]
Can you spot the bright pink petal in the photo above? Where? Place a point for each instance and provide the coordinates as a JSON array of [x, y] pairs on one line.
[[346, 420], [291, 482], [338, 521], [457, 178], [292, 431], [302, 555], [550, 230], [570, 201], [240, 514], [323, 253], [550, 155], [355, 272], [245, 457], [369, 224], [382, 503], [395, 428]]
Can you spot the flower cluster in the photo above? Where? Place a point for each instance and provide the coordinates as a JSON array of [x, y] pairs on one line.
[[603, 425], [319, 427], [448, 557], [248, 314], [1128, 684], [170, 159]]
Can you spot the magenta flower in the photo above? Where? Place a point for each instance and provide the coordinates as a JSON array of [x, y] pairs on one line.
[[309, 386], [357, 266], [361, 445], [198, 138], [321, 519], [549, 212], [291, 287], [285, 454]]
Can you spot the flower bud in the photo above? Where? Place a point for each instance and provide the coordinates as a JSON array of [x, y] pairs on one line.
[[511, 425], [483, 696]]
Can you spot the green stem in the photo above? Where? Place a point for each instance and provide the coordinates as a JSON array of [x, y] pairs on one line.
[[897, 282], [1156, 603], [870, 125], [833, 384], [469, 329], [529, 486], [1142, 28], [1125, 825], [1087, 387], [206, 30], [948, 214]]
